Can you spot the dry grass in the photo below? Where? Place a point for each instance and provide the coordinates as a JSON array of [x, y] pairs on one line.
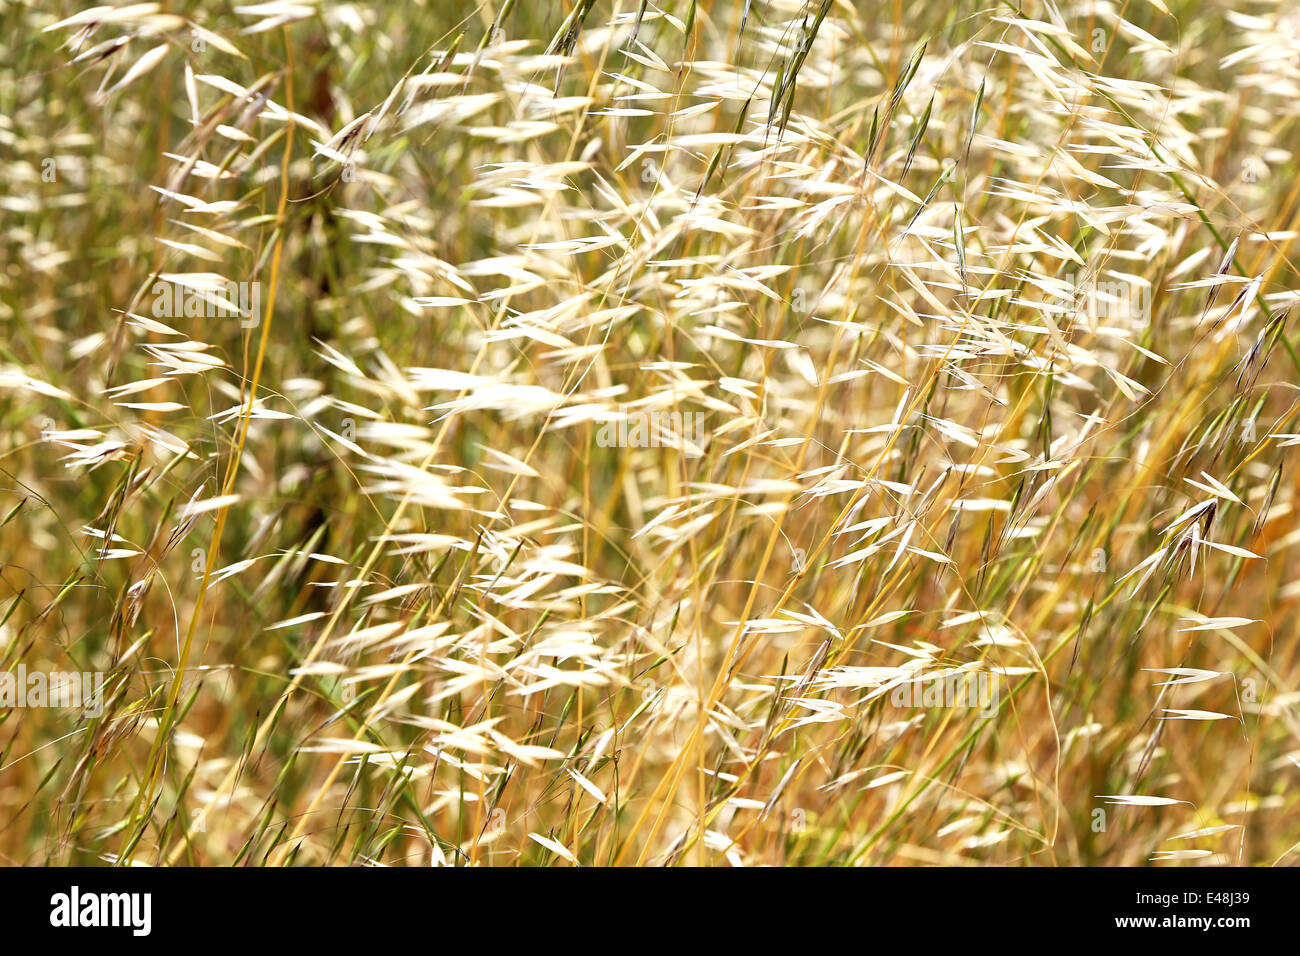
[[985, 314]]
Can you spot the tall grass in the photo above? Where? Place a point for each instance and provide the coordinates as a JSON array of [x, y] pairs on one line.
[[606, 433]]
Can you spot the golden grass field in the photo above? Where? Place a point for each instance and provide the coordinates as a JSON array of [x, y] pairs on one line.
[[588, 432]]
